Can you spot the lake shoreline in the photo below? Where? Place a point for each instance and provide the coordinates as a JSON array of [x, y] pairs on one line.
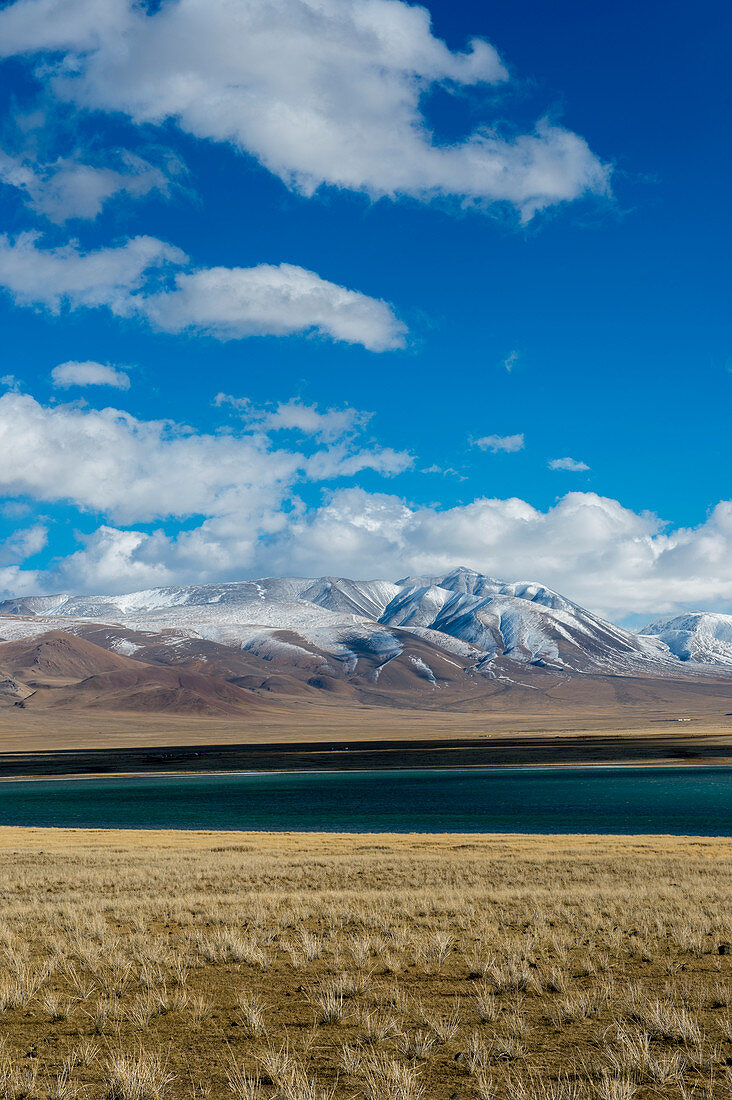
[[40, 777], [46, 838], [710, 750]]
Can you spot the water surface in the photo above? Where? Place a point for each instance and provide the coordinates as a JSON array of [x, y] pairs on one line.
[[675, 800]]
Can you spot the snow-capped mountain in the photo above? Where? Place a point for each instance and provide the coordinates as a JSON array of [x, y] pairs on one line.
[[463, 640], [475, 617], [700, 637], [524, 621]]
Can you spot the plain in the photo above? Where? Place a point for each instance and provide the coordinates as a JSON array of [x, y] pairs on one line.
[[144, 965]]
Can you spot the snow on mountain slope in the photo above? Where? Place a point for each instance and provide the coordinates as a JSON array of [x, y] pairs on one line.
[[701, 637], [524, 621], [353, 625], [366, 599], [34, 605], [415, 605]]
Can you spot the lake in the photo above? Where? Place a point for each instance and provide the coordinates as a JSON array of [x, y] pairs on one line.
[[674, 800]]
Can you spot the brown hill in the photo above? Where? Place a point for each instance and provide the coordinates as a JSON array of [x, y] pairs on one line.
[[58, 656], [144, 688], [190, 676], [61, 670]]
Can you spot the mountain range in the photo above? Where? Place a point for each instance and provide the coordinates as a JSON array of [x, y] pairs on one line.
[[456, 641]]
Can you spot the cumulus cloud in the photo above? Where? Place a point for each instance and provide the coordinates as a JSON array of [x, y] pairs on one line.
[[327, 425], [24, 543], [230, 303], [591, 548], [506, 443], [588, 547], [110, 554], [569, 464], [18, 581], [132, 471], [89, 373], [226, 303], [321, 92], [237, 494], [68, 276], [59, 24], [68, 188]]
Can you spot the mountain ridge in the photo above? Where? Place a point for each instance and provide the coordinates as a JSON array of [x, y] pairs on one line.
[[462, 634]]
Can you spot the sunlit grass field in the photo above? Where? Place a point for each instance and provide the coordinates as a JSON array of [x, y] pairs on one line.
[[142, 966]]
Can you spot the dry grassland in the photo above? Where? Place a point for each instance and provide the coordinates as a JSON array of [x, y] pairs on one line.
[[153, 966], [41, 731]]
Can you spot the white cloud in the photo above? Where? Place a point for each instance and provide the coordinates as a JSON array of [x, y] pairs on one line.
[[444, 471], [132, 471], [89, 374], [591, 548], [24, 543], [319, 91], [230, 303], [68, 276], [110, 554], [59, 24], [238, 495], [15, 509], [17, 581], [340, 461], [570, 464], [227, 303], [327, 426], [511, 360], [68, 188], [495, 443]]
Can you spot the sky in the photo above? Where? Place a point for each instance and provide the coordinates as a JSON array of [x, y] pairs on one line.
[[368, 289]]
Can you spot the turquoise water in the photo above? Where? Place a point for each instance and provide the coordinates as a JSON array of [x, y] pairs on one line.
[[692, 801]]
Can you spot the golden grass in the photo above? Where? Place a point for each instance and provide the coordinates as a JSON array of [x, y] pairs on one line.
[[262, 966]]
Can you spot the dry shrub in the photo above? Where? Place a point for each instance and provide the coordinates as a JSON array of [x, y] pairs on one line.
[[140, 1076]]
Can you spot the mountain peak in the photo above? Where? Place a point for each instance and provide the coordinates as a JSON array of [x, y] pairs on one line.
[[702, 637]]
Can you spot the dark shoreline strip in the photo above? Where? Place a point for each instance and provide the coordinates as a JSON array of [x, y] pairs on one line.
[[367, 755]]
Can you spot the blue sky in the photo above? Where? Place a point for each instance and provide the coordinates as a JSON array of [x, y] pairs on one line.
[[500, 338]]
